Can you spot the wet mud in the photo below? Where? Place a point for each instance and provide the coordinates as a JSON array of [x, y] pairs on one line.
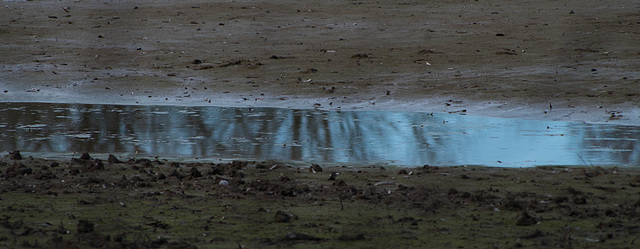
[[87, 202], [568, 60]]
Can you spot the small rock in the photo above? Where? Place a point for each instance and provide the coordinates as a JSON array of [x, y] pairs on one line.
[[176, 174], [12, 225], [195, 173], [315, 168], [161, 176], [560, 199], [359, 56], [329, 90], [85, 226], [453, 191], [333, 176], [282, 217], [300, 236], [223, 183], [534, 235], [97, 165], [524, 219], [15, 155], [18, 170], [339, 183], [85, 156], [580, 200], [351, 238], [113, 159]]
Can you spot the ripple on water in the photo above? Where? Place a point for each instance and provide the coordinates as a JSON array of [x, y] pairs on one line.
[[399, 138]]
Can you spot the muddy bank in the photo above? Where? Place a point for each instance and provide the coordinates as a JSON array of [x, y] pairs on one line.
[[555, 60], [153, 203]]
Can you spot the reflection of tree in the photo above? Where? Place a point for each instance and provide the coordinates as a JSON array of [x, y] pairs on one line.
[[403, 137]]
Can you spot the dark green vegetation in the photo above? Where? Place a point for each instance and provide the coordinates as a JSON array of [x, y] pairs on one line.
[[90, 203]]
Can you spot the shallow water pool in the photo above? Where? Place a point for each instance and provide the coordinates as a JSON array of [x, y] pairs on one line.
[[350, 137]]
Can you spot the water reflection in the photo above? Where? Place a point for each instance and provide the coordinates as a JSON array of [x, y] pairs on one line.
[[400, 138]]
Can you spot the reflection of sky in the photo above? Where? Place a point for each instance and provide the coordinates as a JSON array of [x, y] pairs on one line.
[[514, 142], [401, 138]]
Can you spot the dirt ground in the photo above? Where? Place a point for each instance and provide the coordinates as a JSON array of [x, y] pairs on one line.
[[569, 60], [87, 202]]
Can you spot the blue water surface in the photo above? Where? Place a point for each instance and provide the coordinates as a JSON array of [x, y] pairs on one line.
[[314, 136]]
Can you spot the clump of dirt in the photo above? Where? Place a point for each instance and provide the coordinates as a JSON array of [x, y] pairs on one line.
[[143, 203]]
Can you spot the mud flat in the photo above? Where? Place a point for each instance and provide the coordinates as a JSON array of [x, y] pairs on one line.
[[87, 202], [555, 60]]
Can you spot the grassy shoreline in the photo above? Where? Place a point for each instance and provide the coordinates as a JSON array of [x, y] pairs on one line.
[[105, 203]]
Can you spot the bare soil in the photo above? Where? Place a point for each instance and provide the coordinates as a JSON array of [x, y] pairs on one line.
[[568, 60]]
